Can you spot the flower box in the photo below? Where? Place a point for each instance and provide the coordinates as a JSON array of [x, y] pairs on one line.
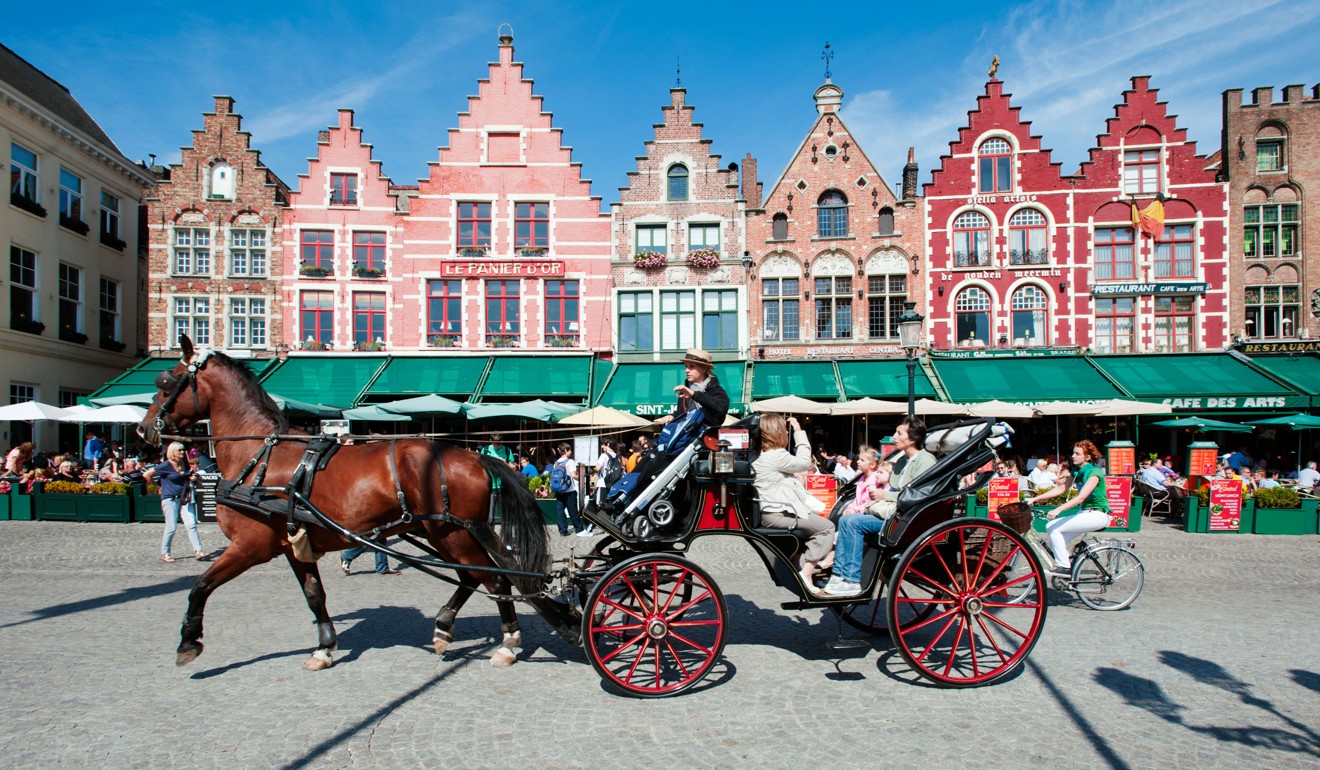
[[1287, 521], [315, 345], [115, 243], [58, 501], [20, 505], [532, 251], [549, 510], [704, 258], [4, 507], [75, 224], [369, 346], [146, 504], [502, 340], [472, 251], [27, 325], [114, 346], [442, 340], [316, 271], [649, 260], [27, 204], [69, 335], [369, 272], [562, 340], [113, 507]]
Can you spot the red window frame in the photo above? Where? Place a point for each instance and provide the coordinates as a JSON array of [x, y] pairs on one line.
[[1107, 241], [1141, 171], [444, 309], [369, 251], [318, 248], [1166, 252], [996, 167], [471, 218], [368, 307], [562, 311], [531, 225], [317, 316], [1170, 310], [502, 306], [978, 250], [343, 190], [1130, 338]]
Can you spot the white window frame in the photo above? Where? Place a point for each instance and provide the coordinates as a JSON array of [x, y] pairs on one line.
[[191, 315], [28, 177], [194, 245], [109, 304]]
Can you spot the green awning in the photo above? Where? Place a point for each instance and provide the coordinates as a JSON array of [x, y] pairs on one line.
[[647, 389], [1199, 381], [443, 375], [557, 378], [138, 383], [808, 379], [1025, 379], [1300, 372], [330, 380], [882, 379]]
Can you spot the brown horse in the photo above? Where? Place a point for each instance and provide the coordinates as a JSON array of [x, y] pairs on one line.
[[356, 490]]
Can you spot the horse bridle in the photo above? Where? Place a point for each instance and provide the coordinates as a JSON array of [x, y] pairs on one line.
[[167, 380]]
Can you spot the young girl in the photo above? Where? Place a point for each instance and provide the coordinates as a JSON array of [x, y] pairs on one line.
[[867, 461]]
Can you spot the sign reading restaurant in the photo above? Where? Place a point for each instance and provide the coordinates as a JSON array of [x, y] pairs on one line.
[[1108, 289], [482, 268], [1281, 348]]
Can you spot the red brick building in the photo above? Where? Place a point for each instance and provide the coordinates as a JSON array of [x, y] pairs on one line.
[[504, 244], [1023, 256], [215, 233], [836, 253], [343, 257], [1270, 155], [679, 239]]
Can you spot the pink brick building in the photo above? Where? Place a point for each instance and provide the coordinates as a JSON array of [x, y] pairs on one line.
[[685, 215], [836, 252], [1024, 256], [504, 246], [215, 233], [343, 255]]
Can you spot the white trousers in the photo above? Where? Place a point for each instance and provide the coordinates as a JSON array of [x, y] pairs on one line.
[[1065, 529]]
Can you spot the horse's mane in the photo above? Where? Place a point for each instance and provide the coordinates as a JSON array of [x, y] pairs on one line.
[[261, 400]]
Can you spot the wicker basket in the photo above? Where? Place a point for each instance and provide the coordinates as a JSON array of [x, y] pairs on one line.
[[1017, 516]]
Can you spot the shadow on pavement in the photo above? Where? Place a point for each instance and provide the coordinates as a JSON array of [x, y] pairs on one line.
[[1148, 695], [181, 583]]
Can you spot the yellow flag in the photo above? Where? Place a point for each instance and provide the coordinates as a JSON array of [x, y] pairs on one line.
[[1150, 220]]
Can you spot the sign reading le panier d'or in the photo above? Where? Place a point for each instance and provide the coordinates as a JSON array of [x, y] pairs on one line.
[[490, 268]]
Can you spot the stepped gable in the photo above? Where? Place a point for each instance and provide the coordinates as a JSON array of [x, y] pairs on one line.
[[1142, 119], [341, 146], [222, 138], [680, 135]]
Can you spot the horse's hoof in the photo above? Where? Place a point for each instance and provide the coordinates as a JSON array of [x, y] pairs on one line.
[[188, 654], [442, 642], [503, 658], [513, 640], [318, 662]]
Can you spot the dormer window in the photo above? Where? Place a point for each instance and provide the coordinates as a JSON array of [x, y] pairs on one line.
[[222, 181], [343, 190], [996, 166]]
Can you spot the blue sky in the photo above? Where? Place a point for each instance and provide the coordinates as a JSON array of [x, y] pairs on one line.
[[146, 71]]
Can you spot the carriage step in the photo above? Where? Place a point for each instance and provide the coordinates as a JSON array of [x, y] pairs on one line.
[[797, 605]]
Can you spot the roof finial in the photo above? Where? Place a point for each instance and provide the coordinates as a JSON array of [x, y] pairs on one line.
[[506, 38], [678, 71], [827, 55], [994, 66]]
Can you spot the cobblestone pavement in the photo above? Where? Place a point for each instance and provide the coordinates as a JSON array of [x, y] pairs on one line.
[[1212, 668]]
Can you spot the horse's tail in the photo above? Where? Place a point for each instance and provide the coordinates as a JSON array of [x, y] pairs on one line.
[[523, 529]]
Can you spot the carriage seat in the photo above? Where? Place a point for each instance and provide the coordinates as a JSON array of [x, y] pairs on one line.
[[965, 446], [754, 522]]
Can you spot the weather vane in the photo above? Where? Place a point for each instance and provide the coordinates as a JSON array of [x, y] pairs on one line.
[[827, 55], [678, 71], [994, 66]]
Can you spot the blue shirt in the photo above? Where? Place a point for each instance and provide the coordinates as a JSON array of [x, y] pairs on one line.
[[529, 471], [92, 450], [172, 482]]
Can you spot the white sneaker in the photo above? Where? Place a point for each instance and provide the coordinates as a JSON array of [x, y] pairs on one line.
[[588, 532], [840, 587]]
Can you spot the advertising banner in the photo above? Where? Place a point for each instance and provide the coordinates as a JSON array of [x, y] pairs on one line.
[[825, 488], [1001, 492], [1118, 490], [1225, 505], [1122, 460]]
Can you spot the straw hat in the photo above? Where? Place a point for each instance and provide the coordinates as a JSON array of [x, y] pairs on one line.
[[698, 357]]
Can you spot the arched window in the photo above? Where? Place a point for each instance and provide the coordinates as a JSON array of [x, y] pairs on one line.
[[1030, 309], [678, 182], [996, 164], [832, 215], [1026, 238], [222, 181], [779, 227], [886, 221], [972, 308], [971, 240]]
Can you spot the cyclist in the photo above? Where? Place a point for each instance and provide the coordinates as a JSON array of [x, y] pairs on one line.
[[1089, 480]]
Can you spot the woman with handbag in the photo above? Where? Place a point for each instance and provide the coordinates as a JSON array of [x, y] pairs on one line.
[[784, 501], [174, 475]]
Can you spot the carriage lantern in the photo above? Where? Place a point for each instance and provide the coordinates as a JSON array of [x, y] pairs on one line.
[[722, 460]]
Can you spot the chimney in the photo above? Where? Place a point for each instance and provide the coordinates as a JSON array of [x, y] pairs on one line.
[[910, 176], [751, 189]]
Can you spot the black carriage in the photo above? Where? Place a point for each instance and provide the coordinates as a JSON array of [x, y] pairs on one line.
[[654, 623]]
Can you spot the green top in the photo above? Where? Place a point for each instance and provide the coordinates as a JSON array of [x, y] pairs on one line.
[[498, 451], [1099, 499]]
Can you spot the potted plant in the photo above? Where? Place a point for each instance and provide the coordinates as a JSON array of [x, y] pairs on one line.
[[539, 486], [472, 251], [1282, 511], [20, 323], [74, 223], [649, 260], [562, 340], [314, 344], [58, 501], [369, 272], [442, 340], [1204, 511], [106, 501], [27, 204], [115, 243], [532, 251], [370, 346], [316, 271], [502, 340], [5, 488], [20, 501], [72, 335], [111, 344], [706, 259]]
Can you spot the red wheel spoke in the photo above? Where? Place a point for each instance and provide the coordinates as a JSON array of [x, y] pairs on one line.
[[678, 662], [658, 668], [952, 618], [616, 606], [934, 584], [1003, 565], [991, 638], [962, 550], [928, 621], [641, 600], [640, 654], [953, 580], [953, 651], [639, 638], [975, 578], [688, 642], [1007, 626], [677, 585], [679, 612]]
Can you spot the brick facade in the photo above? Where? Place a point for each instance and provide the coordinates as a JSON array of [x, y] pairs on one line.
[[831, 222], [1023, 256], [215, 234], [1270, 155], [680, 201]]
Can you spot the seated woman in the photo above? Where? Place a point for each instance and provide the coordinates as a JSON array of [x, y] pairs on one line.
[[785, 503], [65, 473], [909, 438]]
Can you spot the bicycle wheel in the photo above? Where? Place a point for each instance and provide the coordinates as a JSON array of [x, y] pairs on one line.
[[1019, 579], [1109, 577]]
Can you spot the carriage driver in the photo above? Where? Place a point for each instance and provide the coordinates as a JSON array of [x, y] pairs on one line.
[[701, 388]]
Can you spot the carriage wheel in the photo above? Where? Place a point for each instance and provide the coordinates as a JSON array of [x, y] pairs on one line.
[[974, 635], [654, 625], [872, 618]]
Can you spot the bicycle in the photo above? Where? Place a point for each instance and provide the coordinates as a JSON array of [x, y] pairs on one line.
[[1106, 573]]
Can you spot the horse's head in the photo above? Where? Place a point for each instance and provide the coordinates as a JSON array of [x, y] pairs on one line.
[[181, 398]]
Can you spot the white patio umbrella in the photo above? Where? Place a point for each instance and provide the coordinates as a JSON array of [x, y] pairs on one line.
[[868, 405], [931, 406], [1057, 408], [790, 405], [606, 417], [1118, 407], [30, 411], [1000, 409], [119, 413]]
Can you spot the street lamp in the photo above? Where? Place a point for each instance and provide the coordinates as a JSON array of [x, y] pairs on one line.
[[909, 338]]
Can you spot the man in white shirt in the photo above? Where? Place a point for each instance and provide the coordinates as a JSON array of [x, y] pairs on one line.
[[1040, 477], [843, 470], [1308, 477]]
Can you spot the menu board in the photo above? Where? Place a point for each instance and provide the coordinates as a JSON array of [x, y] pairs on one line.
[[1203, 461], [825, 488], [1122, 460], [1225, 505], [1001, 492], [1118, 490]]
